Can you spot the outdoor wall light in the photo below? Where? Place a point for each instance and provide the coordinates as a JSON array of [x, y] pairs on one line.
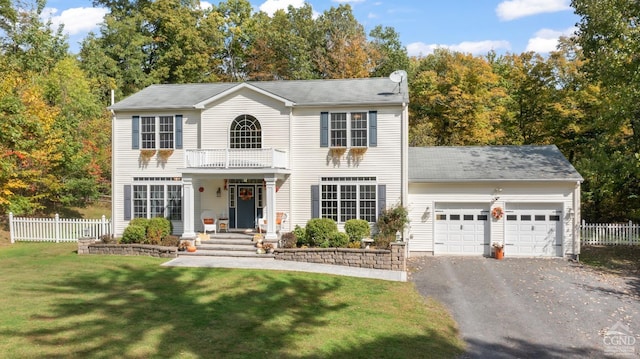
[[219, 192], [398, 236]]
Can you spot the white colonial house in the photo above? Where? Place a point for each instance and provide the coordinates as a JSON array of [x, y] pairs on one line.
[[244, 153]]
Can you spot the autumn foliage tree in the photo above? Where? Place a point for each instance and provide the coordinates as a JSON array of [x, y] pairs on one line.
[[53, 150]]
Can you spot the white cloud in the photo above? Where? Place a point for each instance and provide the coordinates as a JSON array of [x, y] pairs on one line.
[[76, 20], [546, 40], [204, 5], [514, 9], [473, 47], [372, 16], [271, 6]]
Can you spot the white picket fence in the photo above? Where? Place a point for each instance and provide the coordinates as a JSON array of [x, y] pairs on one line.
[[56, 229], [610, 233]]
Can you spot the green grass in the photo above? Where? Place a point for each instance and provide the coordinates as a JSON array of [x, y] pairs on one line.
[[614, 258], [56, 304]]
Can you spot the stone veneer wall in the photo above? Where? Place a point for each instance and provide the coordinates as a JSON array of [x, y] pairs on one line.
[[87, 246], [394, 259]]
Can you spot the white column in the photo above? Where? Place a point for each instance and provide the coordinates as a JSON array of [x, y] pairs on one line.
[[271, 208], [187, 208]]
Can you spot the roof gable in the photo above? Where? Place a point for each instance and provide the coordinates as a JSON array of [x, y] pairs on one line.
[[489, 163], [238, 87]]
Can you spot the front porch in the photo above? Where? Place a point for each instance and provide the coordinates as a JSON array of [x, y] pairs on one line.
[[236, 188]]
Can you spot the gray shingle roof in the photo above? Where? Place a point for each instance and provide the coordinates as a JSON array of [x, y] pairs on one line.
[[301, 93], [486, 163]]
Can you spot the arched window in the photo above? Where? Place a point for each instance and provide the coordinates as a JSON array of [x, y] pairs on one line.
[[245, 132]]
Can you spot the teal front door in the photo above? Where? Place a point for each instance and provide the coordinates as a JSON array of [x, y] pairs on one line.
[[246, 207]]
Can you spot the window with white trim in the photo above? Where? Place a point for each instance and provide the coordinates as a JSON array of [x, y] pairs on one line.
[[245, 132], [157, 132], [157, 200], [348, 129], [358, 129], [345, 198]]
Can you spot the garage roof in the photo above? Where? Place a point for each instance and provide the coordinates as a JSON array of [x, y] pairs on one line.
[[489, 163]]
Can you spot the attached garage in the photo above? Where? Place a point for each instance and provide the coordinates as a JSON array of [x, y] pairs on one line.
[[461, 228], [533, 230], [464, 200]]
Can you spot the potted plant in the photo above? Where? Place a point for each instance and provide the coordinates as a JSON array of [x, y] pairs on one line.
[[358, 152], [164, 155], [337, 152], [268, 247], [145, 155], [498, 248]]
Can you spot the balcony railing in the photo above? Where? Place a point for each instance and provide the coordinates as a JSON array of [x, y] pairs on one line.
[[237, 158]]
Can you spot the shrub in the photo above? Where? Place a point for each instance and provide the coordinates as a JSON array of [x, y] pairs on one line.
[[170, 241], [143, 222], [319, 231], [108, 238], [157, 228], [339, 240], [288, 240], [384, 241], [357, 229], [392, 220], [301, 236], [354, 244], [133, 234]]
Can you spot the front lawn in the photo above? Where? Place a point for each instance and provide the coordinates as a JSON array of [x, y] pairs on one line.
[[615, 258], [54, 303]]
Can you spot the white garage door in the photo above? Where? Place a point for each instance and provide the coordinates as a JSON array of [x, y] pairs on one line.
[[462, 230], [533, 231]]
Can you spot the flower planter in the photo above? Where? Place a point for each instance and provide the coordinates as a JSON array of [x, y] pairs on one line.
[[499, 253]]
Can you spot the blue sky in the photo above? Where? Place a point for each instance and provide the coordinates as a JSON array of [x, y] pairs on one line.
[[473, 26]]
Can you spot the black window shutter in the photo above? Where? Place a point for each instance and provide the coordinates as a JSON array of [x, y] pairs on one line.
[[382, 198], [178, 131], [373, 128], [127, 202], [324, 129], [135, 132], [315, 201]]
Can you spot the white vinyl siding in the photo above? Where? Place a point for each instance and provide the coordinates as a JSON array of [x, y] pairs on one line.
[[310, 161], [127, 163]]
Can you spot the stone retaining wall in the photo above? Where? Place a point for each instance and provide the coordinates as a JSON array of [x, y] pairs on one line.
[[86, 246], [394, 259]]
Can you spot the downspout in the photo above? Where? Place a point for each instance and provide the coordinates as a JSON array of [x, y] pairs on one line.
[[577, 219], [113, 163], [292, 211]]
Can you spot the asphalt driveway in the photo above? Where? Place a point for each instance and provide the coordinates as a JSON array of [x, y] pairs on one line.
[[534, 308]]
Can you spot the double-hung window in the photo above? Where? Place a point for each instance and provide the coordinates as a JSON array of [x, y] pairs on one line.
[[154, 199], [157, 132], [338, 130], [358, 129], [348, 129], [345, 198]]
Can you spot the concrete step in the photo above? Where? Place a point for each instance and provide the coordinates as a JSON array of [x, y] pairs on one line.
[[227, 247], [225, 253], [231, 241]]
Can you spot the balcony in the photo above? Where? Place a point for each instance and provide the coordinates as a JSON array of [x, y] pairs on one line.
[[237, 158]]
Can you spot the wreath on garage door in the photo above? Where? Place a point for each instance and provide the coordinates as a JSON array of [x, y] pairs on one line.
[[497, 213]]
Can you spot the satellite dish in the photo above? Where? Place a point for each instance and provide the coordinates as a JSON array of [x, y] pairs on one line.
[[397, 76]]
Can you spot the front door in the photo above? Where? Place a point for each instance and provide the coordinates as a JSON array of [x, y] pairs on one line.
[[246, 207]]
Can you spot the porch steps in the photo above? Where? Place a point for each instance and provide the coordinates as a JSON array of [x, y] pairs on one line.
[[221, 245]]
